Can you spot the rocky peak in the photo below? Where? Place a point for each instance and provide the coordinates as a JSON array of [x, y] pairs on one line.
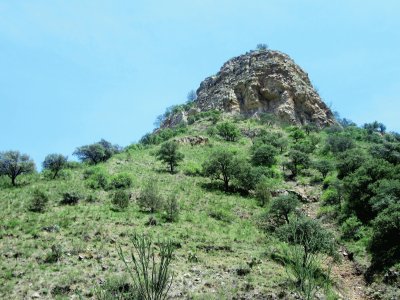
[[262, 81]]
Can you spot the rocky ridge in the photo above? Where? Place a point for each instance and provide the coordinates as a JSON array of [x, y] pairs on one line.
[[262, 81]]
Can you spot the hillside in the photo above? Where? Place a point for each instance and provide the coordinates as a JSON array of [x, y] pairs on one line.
[[236, 239]]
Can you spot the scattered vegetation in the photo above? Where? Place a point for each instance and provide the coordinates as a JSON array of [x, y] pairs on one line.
[[258, 169]]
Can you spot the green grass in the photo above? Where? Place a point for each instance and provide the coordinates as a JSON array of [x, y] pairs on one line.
[[219, 228]]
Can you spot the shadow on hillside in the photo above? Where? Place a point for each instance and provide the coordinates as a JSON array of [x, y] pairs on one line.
[[215, 186]]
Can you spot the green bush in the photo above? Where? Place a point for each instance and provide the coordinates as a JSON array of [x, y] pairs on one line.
[[39, 201], [121, 181], [70, 198], [192, 169], [150, 198], [331, 196], [228, 131], [263, 192], [120, 199], [171, 208], [384, 245], [97, 178], [352, 229]]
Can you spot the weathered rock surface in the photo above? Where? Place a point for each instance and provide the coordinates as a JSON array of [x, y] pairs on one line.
[[262, 81], [192, 140]]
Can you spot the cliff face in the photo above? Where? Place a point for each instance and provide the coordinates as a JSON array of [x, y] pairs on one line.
[[262, 81]]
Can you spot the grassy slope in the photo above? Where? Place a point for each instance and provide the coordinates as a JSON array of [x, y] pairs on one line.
[[91, 232]]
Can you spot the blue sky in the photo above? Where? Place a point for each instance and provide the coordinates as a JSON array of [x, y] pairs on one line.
[[75, 71]]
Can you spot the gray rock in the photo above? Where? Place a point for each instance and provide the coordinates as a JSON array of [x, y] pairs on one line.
[[261, 82]]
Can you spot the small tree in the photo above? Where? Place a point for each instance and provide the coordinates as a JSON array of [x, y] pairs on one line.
[[220, 166], [283, 206], [55, 163], [297, 160], [228, 131], [169, 154], [264, 155], [13, 164], [324, 167], [191, 96], [308, 128], [96, 153], [297, 134], [262, 47]]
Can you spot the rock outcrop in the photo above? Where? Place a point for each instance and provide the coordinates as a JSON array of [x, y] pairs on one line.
[[262, 81]]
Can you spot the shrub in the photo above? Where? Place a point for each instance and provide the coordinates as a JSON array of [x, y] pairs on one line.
[[171, 208], [228, 131], [351, 229], [13, 164], [55, 163], [120, 199], [150, 198], [149, 273], [39, 201], [339, 143], [97, 178], [115, 288], [331, 196], [70, 198], [121, 181], [349, 161], [55, 254], [169, 153], [245, 175], [263, 192], [384, 245], [162, 135]]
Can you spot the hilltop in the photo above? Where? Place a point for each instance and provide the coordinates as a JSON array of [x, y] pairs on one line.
[[259, 82]]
